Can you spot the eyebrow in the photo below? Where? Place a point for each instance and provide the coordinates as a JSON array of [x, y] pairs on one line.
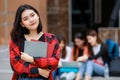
[[26, 16]]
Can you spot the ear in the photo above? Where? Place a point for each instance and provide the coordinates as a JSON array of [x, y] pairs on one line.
[[22, 24]]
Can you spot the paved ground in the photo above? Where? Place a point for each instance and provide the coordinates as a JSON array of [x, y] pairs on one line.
[[102, 78], [5, 69]]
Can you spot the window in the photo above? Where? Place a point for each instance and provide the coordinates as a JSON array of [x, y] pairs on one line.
[[81, 15]]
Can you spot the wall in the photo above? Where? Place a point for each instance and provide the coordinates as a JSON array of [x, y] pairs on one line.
[[58, 16]]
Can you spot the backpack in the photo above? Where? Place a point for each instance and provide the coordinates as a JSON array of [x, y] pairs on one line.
[[113, 48], [114, 68]]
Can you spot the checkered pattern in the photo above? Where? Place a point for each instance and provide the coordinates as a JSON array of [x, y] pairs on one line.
[[50, 62]]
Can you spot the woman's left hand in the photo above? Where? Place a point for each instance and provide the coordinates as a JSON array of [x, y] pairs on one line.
[[44, 72], [26, 57]]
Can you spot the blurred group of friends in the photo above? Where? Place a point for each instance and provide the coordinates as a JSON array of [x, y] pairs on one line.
[[89, 50]]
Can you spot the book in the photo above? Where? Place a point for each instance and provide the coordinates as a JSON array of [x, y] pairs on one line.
[[35, 48]]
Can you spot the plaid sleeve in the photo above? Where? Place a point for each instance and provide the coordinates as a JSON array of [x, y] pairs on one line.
[[18, 65], [51, 62]]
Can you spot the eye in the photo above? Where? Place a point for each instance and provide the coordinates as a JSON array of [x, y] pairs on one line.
[[25, 18], [32, 15]]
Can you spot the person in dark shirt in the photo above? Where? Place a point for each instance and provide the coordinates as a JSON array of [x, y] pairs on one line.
[[99, 55]]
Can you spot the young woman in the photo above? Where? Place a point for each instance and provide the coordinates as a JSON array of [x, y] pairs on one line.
[[80, 50], [79, 53], [27, 26], [98, 57], [65, 52]]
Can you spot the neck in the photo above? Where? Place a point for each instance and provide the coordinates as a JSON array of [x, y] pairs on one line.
[[81, 47], [96, 44], [33, 33]]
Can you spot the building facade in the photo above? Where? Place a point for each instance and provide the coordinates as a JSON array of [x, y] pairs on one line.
[[64, 17]]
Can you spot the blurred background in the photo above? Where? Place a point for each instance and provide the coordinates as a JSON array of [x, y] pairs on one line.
[[65, 17]]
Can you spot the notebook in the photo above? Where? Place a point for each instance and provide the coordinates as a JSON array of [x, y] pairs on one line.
[[35, 48], [71, 64]]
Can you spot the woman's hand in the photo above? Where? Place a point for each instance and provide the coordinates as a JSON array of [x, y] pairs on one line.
[[82, 58], [26, 57], [79, 59], [44, 72]]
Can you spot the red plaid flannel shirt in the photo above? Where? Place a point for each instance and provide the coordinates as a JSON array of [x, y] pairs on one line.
[[50, 62]]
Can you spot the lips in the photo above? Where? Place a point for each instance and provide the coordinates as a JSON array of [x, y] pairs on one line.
[[32, 24]]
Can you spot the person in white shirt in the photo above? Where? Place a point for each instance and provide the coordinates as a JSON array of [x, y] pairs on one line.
[[65, 53], [99, 55]]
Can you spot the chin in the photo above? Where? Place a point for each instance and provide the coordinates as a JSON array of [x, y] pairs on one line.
[[92, 44], [34, 27]]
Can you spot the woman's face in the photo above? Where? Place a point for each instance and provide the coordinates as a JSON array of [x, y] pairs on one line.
[[92, 40], [30, 19], [62, 45], [79, 42]]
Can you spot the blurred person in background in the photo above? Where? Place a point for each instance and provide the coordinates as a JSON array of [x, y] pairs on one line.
[[79, 54], [80, 48], [27, 26], [98, 57], [65, 52], [113, 47]]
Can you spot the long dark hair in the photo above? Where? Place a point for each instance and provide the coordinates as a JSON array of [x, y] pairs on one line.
[[93, 33], [18, 31], [81, 36], [61, 38]]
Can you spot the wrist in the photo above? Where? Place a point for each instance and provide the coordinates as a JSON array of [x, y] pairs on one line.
[[31, 59], [39, 70]]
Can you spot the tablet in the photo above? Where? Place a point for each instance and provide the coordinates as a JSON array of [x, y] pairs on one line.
[[35, 48], [70, 64]]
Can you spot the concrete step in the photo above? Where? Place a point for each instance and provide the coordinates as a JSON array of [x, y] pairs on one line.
[[5, 64], [5, 68], [102, 78], [6, 74]]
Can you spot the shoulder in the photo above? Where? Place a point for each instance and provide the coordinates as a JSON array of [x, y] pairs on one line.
[[86, 50], [12, 43], [103, 45], [49, 35]]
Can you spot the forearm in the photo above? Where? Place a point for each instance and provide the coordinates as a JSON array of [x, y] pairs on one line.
[[26, 57], [82, 58], [47, 63]]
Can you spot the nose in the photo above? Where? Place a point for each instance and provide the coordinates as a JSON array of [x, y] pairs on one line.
[[30, 19]]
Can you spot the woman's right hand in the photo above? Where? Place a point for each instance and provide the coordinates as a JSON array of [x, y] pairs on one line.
[[26, 57], [44, 72], [82, 58]]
